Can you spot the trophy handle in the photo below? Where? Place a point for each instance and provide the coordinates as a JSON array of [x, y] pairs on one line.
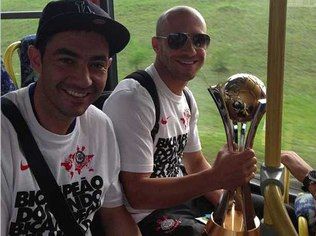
[[221, 210], [221, 106], [215, 91], [248, 209], [247, 206], [255, 122]]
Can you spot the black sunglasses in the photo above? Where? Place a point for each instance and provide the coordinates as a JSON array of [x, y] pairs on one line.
[[178, 40]]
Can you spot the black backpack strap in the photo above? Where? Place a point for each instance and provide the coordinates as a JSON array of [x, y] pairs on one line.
[[188, 98], [44, 177], [147, 82], [100, 101]]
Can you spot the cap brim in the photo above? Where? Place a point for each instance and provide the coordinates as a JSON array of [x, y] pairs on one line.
[[115, 33]]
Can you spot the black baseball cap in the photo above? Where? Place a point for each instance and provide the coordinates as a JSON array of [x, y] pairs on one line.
[[64, 15]]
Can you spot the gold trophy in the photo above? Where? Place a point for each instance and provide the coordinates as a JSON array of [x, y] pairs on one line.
[[241, 100]]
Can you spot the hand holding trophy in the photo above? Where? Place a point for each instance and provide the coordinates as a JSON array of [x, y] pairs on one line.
[[241, 100]]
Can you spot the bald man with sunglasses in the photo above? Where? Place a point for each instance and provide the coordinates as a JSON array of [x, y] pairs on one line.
[[158, 194]]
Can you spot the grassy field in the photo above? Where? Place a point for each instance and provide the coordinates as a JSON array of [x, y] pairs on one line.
[[239, 44]]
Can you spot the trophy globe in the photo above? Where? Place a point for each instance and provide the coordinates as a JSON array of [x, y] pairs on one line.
[[241, 94]]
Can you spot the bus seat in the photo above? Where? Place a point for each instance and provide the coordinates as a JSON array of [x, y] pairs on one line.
[[305, 210], [26, 72], [7, 83], [304, 207]]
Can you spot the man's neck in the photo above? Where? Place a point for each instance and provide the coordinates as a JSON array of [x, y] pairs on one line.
[[47, 119], [174, 84]]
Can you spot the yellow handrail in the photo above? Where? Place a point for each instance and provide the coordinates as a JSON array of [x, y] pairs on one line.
[[286, 194], [302, 226], [277, 211], [7, 60]]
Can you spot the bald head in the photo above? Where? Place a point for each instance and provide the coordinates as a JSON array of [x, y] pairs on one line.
[[174, 14]]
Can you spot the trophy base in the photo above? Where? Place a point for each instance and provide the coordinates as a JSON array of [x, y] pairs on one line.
[[232, 226]]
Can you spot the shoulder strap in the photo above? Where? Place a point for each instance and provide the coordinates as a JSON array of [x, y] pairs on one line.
[[188, 98], [100, 101], [45, 179], [147, 82]]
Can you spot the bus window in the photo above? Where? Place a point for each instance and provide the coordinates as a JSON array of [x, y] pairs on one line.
[[239, 32]]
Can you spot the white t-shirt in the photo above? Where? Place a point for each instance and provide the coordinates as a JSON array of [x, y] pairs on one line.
[[85, 164], [132, 112]]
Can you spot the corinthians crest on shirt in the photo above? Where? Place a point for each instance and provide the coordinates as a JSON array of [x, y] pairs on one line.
[[78, 161], [166, 224]]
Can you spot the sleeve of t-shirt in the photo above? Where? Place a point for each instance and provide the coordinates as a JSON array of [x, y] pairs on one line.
[[132, 112], [6, 181], [4, 210], [113, 196], [4, 206]]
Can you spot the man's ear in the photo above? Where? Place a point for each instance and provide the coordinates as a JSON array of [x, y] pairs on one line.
[[35, 58], [155, 44], [110, 62]]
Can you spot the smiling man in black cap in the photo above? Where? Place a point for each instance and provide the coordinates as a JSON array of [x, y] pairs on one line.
[[74, 44]]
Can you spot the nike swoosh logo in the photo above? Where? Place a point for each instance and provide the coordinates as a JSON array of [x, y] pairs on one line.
[[24, 167]]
